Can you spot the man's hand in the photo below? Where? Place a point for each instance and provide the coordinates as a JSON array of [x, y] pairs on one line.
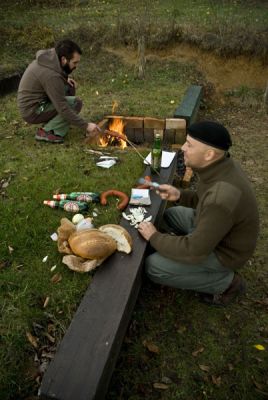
[[168, 192], [146, 229], [93, 130], [72, 82]]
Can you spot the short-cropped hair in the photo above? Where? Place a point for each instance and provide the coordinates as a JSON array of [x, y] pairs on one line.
[[66, 48]]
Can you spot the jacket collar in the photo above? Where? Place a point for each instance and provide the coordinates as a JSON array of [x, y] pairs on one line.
[[213, 171]]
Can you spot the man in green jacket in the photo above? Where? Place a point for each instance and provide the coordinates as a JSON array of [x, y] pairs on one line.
[[46, 93], [213, 230]]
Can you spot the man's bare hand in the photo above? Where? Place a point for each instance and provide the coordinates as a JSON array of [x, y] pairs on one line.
[[93, 130], [168, 192], [72, 82], [146, 229]]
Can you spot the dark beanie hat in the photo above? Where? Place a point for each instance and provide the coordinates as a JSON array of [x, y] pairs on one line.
[[211, 133]]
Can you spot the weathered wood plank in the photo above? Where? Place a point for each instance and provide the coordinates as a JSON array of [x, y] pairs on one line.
[[189, 106], [86, 357]]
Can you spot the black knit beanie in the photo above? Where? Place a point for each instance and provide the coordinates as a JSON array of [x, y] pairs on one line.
[[211, 133]]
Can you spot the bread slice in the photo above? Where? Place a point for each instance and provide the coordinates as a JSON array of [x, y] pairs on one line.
[[120, 235]]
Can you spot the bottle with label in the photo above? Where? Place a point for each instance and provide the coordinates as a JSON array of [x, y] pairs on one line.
[[87, 197], [67, 205], [156, 154]]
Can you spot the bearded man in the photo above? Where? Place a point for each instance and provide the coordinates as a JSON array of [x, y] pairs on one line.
[[46, 93], [212, 231]]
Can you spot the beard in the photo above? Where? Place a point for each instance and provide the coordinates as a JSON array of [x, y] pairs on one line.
[[67, 69]]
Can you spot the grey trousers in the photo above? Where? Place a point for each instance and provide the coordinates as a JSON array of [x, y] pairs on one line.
[[208, 276]]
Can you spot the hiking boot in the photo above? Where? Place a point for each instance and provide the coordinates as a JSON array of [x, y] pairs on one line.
[[49, 136], [236, 288]]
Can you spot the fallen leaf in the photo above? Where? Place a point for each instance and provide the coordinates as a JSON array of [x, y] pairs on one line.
[[166, 380], [259, 347], [10, 249], [181, 329], [46, 302], [198, 351], [216, 380], [258, 385], [50, 338], [45, 259], [32, 340], [161, 386], [153, 348], [56, 278], [53, 268], [205, 368], [5, 184], [227, 316], [230, 366]]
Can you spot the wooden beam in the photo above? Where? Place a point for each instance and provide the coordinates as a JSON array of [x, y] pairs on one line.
[[84, 362], [189, 106]]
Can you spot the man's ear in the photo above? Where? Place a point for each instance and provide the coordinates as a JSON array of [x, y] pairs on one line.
[[63, 60], [210, 154]]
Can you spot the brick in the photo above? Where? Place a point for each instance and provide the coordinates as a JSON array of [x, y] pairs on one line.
[[148, 135], [180, 136], [176, 123], [154, 123], [134, 122], [169, 136]]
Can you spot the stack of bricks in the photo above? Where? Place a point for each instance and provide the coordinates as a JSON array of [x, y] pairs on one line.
[[141, 130]]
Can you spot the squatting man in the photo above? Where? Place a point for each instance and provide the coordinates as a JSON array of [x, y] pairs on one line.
[[210, 232], [46, 93]]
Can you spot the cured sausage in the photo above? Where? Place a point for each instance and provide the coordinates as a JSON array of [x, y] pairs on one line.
[[124, 198]]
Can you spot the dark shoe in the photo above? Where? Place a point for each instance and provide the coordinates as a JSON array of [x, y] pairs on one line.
[[49, 136], [237, 288]]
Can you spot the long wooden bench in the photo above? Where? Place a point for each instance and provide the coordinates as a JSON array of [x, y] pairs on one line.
[[86, 357], [189, 106]]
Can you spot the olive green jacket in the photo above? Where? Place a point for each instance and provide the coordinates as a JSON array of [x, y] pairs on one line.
[[226, 220]]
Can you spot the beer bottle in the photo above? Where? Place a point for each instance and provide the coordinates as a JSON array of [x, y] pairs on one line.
[[87, 197], [67, 205], [156, 154]]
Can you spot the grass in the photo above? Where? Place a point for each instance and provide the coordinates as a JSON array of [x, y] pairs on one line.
[[34, 171], [230, 27], [172, 320]]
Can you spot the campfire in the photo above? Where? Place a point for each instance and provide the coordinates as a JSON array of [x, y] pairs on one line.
[[116, 125]]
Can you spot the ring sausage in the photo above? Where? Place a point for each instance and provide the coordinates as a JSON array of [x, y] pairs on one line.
[[124, 198]]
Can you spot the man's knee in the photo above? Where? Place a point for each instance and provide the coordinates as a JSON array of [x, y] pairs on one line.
[[78, 105]]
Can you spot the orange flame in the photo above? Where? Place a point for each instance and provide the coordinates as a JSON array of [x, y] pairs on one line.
[[116, 125]]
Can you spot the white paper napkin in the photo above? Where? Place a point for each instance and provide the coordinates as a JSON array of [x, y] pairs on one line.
[[166, 160]]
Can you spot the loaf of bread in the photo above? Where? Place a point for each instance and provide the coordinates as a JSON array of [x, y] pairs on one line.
[[120, 235], [92, 244]]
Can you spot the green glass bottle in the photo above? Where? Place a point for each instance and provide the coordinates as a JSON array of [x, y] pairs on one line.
[[156, 154], [67, 205], [87, 197]]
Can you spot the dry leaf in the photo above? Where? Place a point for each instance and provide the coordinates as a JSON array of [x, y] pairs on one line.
[[56, 278], [32, 340], [181, 329], [46, 302], [205, 368], [10, 249], [158, 385], [227, 316], [50, 338], [198, 351], [230, 366], [153, 348], [216, 380], [5, 184]]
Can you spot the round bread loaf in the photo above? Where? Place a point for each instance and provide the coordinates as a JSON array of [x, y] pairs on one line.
[[120, 235], [92, 244]]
